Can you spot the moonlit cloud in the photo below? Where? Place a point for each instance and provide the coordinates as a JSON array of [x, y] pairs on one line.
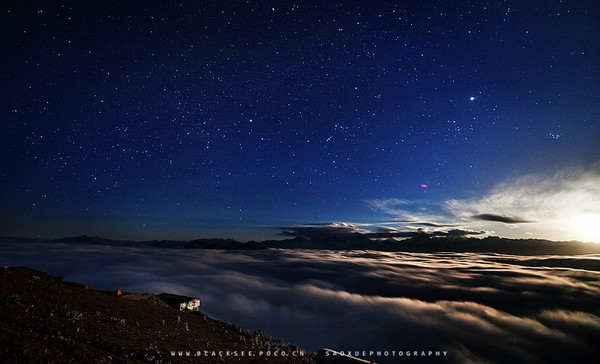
[[561, 206], [320, 231], [413, 212], [412, 232], [554, 202], [535, 197], [386, 229]]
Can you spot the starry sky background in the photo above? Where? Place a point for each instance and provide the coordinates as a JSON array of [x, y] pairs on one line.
[[180, 120]]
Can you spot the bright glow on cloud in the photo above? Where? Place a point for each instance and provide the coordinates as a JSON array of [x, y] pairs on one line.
[[563, 206], [587, 226]]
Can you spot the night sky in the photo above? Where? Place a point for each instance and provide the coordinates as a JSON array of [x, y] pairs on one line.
[[233, 119]]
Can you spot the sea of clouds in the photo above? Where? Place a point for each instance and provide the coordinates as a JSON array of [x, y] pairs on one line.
[[476, 307]]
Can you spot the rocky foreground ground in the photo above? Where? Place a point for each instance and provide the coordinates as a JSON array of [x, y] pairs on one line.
[[46, 319]]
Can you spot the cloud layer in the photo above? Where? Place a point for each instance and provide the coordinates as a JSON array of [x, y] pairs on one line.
[[477, 307]]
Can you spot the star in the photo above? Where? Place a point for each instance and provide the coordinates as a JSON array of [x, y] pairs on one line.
[[176, 122]]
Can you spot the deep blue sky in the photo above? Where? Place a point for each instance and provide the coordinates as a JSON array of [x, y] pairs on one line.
[[200, 119]]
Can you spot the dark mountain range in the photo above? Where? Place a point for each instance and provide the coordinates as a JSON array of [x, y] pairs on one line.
[[423, 243], [226, 244], [494, 244], [430, 244], [84, 239]]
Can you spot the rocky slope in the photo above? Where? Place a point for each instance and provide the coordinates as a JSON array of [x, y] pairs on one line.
[[46, 319]]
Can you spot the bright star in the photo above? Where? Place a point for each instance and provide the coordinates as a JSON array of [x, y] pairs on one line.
[[472, 98]]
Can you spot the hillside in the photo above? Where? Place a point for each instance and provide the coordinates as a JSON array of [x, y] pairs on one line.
[[46, 319]]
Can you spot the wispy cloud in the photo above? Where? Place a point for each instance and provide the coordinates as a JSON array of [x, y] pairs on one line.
[[416, 212], [499, 218], [556, 206]]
